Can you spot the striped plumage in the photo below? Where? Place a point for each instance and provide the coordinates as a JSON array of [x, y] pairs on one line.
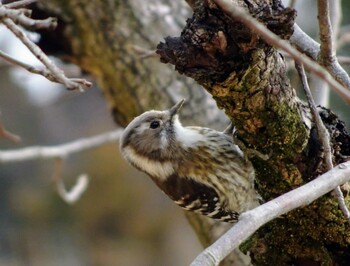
[[200, 169]]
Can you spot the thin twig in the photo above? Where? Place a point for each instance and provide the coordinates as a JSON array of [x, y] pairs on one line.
[[28, 67], [326, 21], [327, 51], [145, 53], [19, 4], [323, 136], [55, 71], [240, 14], [18, 17], [42, 72], [59, 151], [252, 220], [8, 135], [311, 48], [76, 191]]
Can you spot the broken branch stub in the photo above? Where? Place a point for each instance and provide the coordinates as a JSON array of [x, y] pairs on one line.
[[212, 45]]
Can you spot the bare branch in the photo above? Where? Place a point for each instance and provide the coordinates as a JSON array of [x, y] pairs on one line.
[[59, 151], [18, 17], [327, 52], [145, 53], [76, 191], [74, 194], [42, 72], [54, 70], [239, 13], [328, 20], [10, 18], [252, 220], [323, 136], [305, 43], [329, 23], [8, 135], [28, 67], [310, 47], [321, 129], [19, 4], [326, 58]]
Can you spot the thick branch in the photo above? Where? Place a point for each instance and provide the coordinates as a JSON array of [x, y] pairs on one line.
[[272, 39], [254, 219], [257, 96]]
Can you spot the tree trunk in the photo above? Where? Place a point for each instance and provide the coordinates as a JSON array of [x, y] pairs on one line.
[[247, 79]]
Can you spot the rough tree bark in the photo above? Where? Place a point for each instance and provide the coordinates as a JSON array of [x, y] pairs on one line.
[[246, 77], [101, 36]]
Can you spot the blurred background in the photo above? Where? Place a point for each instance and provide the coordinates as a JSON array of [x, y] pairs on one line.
[[122, 218]]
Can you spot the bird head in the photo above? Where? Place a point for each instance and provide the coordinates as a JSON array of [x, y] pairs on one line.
[[151, 132]]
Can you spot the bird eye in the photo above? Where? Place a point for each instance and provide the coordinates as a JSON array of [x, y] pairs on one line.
[[154, 124]]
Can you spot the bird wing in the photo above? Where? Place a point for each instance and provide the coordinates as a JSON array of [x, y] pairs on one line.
[[197, 197]]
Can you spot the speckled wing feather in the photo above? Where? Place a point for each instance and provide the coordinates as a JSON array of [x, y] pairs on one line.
[[196, 197]]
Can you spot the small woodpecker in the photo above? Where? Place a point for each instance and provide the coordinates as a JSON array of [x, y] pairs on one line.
[[200, 169]]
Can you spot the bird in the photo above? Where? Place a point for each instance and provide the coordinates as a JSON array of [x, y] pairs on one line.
[[202, 170]]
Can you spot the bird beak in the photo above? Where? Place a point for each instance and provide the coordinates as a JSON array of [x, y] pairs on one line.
[[176, 108]]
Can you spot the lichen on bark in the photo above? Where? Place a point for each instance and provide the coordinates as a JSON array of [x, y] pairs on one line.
[[248, 79]]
